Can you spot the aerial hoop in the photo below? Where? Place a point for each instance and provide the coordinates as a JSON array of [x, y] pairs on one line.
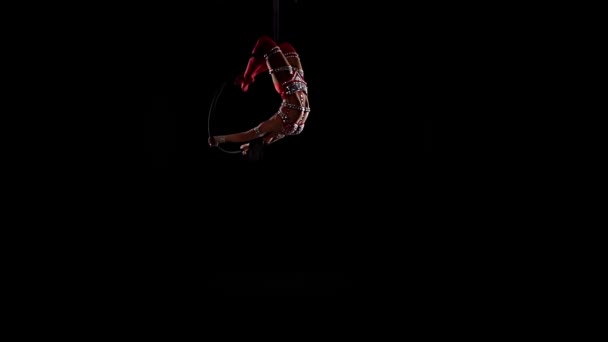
[[216, 96]]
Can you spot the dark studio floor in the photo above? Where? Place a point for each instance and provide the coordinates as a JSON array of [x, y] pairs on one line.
[[280, 283]]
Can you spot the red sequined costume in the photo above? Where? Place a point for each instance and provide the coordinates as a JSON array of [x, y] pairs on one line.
[[289, 83]]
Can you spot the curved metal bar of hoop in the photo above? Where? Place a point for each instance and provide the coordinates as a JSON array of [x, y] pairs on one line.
[[211, 111]]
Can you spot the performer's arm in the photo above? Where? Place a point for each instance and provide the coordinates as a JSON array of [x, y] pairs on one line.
[[271, 125], [238, 137]]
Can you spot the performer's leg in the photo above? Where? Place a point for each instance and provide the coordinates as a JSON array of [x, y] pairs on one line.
[[279, 67], [291, 54], [293, 58], [257, 62]]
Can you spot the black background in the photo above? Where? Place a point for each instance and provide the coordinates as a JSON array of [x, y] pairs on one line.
[[372, 97], [352, 184], [363, 197]]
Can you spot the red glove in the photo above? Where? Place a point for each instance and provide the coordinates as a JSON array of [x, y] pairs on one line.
[[242, 82]]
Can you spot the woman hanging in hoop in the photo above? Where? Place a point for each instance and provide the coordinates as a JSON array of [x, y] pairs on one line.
[[283, 63]]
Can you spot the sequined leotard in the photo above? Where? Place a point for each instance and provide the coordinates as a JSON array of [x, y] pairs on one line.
[[294, 93]]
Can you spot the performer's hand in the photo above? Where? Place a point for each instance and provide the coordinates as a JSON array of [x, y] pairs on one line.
[[244, 148], [212, 141], [242, 82]]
